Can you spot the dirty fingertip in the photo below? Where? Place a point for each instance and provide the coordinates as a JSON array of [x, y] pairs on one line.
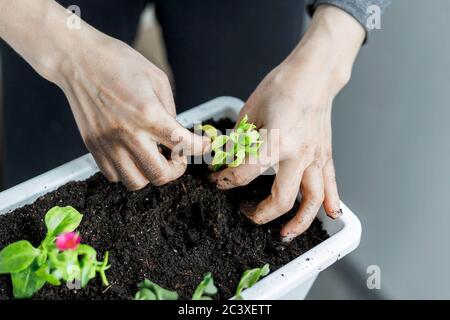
[[288, 237], [248, 209], [213, 177], [223, 182], [335, 214]]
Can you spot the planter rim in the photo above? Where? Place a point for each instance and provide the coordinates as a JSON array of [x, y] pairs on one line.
[[345, 232]]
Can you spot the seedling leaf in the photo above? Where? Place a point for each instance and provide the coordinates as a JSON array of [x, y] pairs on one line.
[[245, 140], [61, 219], [209, 130], [26, 282], [206, 289], [17, 256], [149, 290], [249, 278]]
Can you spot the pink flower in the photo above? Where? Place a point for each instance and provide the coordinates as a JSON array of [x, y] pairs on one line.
[[68, 241]]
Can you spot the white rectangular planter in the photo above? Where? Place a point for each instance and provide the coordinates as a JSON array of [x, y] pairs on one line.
[[292, 281]]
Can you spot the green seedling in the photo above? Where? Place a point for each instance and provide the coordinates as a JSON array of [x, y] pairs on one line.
[[230, 150], [60, 257], [206, 289], [149, 290], [249, 278]]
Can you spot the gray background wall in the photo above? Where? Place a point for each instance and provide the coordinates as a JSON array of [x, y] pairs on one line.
[[392, 153]]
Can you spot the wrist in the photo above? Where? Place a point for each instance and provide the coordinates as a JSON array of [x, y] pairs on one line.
[[66, 45], [329, 48]]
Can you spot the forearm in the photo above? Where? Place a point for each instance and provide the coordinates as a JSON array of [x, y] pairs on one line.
[[329, 47], [37, 30]]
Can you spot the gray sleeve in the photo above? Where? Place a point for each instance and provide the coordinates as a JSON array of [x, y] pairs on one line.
[[359, 9]]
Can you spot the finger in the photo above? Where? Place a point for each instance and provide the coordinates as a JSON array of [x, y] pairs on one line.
[[173, 135], [165, 95], [128, 172], [169, 103], [156, 168], [332, 203], [312, 198], [283, 194], [106, 167], [252, 167]]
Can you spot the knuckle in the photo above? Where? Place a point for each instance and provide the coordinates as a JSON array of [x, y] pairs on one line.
[[146, 114], [318, 154], [116, 131], [316, 198], [306, 152], [284, 202]]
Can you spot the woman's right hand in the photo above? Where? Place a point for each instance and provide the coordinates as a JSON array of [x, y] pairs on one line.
[[124, 107], [122, 103]]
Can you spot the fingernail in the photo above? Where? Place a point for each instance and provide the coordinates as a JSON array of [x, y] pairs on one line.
[[288, 238], [337, 213]]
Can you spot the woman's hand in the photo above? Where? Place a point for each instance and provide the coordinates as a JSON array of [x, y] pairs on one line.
[[122, 103], [294, 102], [124, 107]]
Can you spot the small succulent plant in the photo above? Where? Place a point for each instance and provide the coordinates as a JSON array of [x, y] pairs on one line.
[[230, 150]]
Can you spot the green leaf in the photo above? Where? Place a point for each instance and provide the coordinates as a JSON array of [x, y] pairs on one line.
[[84, 249], [205, 289], [243, 121], [26, 282], [245, 140], [158, 292], [250, 277], [87, 271], [219, 142], [234, 136], [217, 167], [42, 258], [43, 273], [248, 127], [61, 219], [145, 294], [252, 137], [209, 130], [17, 256], [240, 155], [219, 158]]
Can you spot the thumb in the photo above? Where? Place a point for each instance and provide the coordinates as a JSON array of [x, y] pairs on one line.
[[177, 138]]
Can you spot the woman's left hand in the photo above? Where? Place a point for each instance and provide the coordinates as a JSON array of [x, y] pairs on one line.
[[293, 106]]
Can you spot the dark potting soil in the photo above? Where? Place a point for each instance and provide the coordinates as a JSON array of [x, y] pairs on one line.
[[172, 234]]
